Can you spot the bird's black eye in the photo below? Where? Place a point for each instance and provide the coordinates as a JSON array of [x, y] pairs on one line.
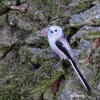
[[56, 30], [51, 31]]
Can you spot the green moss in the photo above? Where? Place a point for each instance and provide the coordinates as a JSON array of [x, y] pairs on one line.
[[45, 84], [46, 45], [6, 3], [2, 72], [61, 88], [13, 92], [53, 9], [27, 15], [1, 1], [79, 6], [48, 95], [95, 79], [3, 51], [62, 85], [91, 35], [25, 55], [49, 1], [41, 78], [13, 88], [65, 2], [67, 31]]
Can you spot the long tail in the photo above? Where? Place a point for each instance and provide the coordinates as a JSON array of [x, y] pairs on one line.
[[68, 54], [84, 82]]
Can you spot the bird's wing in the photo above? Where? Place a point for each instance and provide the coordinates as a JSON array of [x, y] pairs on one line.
[[61, 44], [66, 47]]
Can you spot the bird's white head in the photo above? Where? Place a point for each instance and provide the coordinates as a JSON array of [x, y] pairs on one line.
[[55, 32]]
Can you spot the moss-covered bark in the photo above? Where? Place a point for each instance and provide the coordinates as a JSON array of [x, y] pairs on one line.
[[26, 60]]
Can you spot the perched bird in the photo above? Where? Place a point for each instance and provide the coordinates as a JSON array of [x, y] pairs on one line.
[[61, 47]]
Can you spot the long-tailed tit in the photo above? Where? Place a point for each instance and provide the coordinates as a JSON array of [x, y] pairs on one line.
[[61, 47]]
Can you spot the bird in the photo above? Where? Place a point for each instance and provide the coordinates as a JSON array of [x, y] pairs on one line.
[[61, 47]]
